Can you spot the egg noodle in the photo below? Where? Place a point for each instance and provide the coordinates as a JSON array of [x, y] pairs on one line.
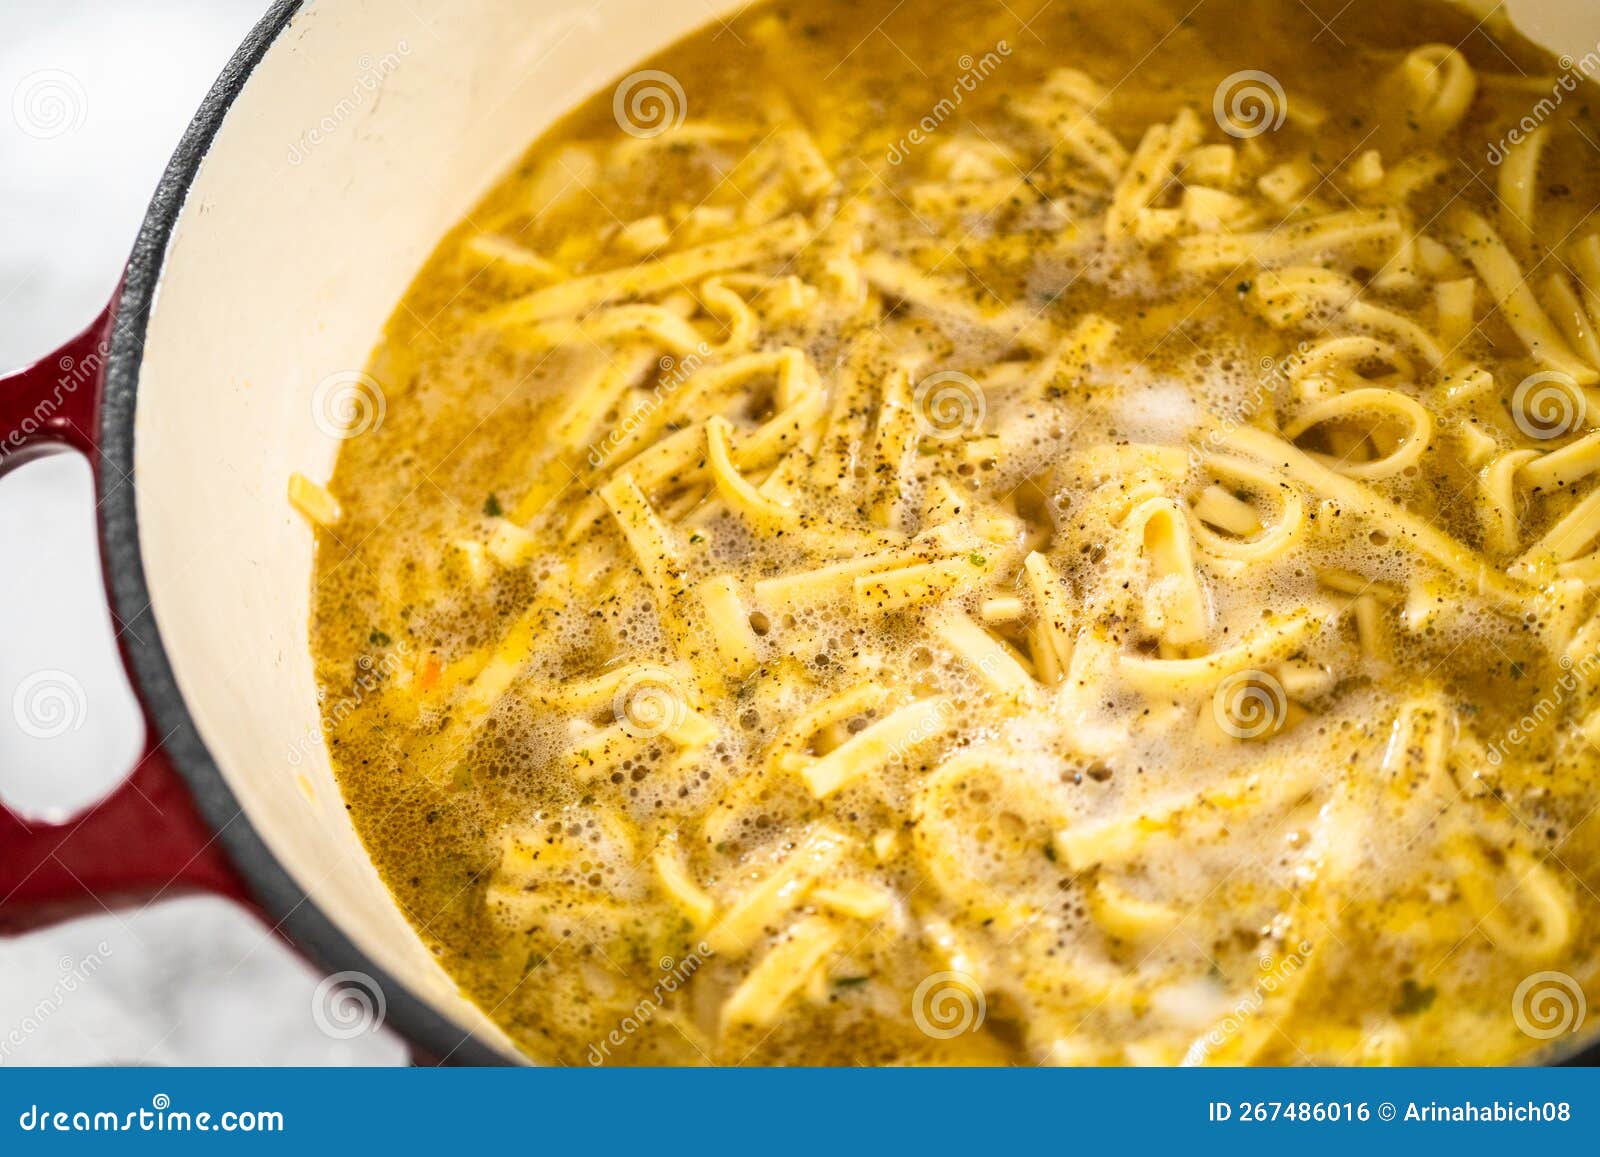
[[1107, 578]]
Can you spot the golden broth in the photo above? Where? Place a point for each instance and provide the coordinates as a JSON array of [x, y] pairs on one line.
[[900, 535]]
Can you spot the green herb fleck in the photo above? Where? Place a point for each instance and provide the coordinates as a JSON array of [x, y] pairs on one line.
[[976, 559], [1414, 998], [378, 639], [697, 537], [851, 981], [492, 507], [1050, 853]]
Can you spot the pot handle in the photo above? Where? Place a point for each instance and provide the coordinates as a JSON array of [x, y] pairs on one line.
[[146, 838]]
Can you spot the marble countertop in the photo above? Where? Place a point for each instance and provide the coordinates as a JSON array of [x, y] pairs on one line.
[[98, 92]]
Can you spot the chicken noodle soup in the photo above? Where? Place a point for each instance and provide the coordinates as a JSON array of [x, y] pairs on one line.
[[1061, 533]]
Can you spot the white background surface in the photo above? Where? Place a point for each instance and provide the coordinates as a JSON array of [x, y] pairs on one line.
[[95, 96]]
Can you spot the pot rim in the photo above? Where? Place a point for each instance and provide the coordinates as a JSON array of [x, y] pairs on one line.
[[294, 913]]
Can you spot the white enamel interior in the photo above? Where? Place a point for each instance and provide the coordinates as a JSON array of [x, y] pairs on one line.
[[291, 251]]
